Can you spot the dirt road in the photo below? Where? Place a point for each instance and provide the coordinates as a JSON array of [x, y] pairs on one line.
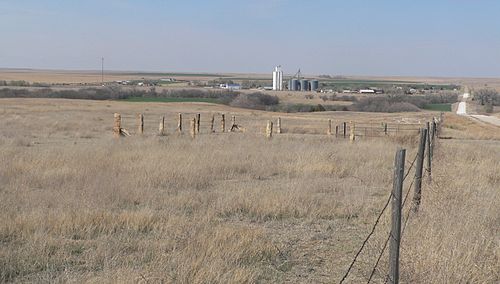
[[462, 110]]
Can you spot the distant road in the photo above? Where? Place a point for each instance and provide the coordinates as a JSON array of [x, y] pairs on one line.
[[462, 110], [488, 119], [462, 106]]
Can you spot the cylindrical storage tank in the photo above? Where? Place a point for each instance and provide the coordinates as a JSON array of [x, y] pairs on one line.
[[295, 85], [314, 85], [304, 85], [290, 85]]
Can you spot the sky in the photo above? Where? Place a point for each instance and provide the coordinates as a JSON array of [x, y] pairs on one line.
[[449, 38]]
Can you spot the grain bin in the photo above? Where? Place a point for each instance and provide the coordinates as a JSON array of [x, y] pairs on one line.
[[295, 85], [304, 85], [314, 85]]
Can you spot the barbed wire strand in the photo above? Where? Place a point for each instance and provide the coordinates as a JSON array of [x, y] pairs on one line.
[[411, 166], [376, 223], [367, 238], [379, 257], [389, 236]]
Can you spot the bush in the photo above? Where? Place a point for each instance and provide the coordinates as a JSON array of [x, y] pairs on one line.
[[224, 97], [384, 104], [487, 97], [254, 101], [402, 103]]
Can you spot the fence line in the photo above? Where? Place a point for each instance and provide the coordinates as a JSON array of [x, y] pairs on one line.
[[427, 142], [346, 130], [397, 232]]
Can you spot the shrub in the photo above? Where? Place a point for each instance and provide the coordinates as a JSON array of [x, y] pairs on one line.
[[487, 97], [402, 103], [254, 101], [383, 104]]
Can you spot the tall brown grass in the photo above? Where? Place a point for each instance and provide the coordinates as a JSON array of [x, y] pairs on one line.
[[230, 208]]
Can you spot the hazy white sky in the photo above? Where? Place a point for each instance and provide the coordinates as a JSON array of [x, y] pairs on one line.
[[400, 37]]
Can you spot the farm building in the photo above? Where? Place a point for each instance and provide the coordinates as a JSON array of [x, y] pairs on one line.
[[230, 86]]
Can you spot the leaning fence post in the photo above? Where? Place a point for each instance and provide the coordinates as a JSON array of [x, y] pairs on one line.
[[429, 154], [193, 127], [395, 237], [161, 128], [223, 123], [385, 128], [278, 126], [329, 131], [433, 137], [179, 123], [233, 123], [212, 123], [140, 123], [198, 118], [117, 126], [269, 129], [418, 171], [352, 129]]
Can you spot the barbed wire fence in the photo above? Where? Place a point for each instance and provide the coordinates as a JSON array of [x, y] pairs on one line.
[[427, 142], [425, 150]]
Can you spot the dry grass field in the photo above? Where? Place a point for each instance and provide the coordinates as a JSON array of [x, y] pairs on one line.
[[80, 206], [94, 77]]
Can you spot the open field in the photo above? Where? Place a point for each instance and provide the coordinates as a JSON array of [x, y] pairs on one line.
[[94, 77], [171, 100], [438, 107], [80, 206]]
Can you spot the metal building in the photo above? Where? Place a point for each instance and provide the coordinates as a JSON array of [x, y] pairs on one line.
[[314, 85], [304, 85], [277, 79], [294, 85]]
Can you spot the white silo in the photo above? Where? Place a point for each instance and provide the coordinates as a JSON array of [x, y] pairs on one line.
[[277, 79]]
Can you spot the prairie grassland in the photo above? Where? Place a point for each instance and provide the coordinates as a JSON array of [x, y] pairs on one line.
[[462, 127], [455, 238], [79, 206]]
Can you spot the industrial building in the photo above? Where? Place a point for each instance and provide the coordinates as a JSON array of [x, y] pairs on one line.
[[277, 79], [296, 83], [303, 85], [231, 87]]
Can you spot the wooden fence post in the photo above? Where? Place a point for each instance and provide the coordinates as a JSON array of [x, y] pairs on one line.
[[223, 123], [179, 123], [385, 128], [117, 126], [161, 128], [193, 127], [329, 131], [395, 238], [233, 123], [269, 129], [278, 126], [418, 170], [352, 129], [345, 126], [140, 123], [212, 124], [198, 118], [429, 154], [336, 131], [433, 137]]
